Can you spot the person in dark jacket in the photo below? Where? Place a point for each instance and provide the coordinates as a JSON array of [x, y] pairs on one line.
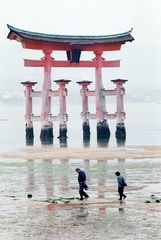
[[82, 183], [121, 184]]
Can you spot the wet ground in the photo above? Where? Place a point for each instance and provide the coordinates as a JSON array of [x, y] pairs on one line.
[[101, 216]]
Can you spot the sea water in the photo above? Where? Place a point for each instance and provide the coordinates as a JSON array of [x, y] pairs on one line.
[[143, 126]]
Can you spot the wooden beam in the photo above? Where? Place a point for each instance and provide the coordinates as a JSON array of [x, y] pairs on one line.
[[110, 92], [52, 118], [53, 93], [106, 93], [112, 63], [106, 116], [33, 63], [40, 45], [35, 94], [61, 63], [90, 93]]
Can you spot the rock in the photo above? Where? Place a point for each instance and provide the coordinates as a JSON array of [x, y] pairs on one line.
[[29, 195]]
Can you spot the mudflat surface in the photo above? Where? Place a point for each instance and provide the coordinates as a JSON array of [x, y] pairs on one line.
[[101, 217], [49, 152]]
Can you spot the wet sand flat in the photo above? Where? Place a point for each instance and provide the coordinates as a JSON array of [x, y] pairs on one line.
[[35, 221], [101, 217], [50, 152]]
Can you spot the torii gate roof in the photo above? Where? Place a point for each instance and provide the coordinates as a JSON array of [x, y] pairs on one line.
[[34, 40]]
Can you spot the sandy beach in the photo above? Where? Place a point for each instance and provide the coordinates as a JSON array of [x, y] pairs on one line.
[[50, 152]]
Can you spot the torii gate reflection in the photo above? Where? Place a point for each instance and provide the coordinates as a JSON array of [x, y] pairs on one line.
[[73, 45]]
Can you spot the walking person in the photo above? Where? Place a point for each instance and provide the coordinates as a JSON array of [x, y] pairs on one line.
[[82, 183], [121, 184]]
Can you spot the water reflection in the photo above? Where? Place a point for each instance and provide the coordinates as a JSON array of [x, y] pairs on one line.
[[30, 176], [121, 160], [63, 142], [47, 141], [48, 178], [102, 212], [86, 143], [121, 210], [121, 143], [86, 167], [29, 141], [101, 178], [87, 163], [81, 213], [101, 142], [64, 178]]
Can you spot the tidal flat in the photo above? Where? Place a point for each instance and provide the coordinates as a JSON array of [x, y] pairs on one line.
[[48, 173]]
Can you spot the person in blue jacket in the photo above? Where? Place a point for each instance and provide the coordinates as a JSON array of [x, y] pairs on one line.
[[82, 183], [121, 184]]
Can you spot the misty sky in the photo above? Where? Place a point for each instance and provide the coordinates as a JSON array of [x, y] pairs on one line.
[[140, 60]]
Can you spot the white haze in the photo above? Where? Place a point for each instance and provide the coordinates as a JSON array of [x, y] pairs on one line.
[[140, 59]]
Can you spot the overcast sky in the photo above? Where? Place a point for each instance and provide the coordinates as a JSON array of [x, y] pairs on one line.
[[140, 59]]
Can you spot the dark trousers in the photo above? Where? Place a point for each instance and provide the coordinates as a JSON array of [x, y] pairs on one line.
[[81, 190], [121, 192]]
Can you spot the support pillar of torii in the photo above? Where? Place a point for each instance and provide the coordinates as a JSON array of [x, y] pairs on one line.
[[103, 131], [62, 108], [47, 126], [120, 114], [28, 114], [85, 110]]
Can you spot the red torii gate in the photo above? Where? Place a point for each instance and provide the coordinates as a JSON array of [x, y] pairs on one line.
[[73, 45]]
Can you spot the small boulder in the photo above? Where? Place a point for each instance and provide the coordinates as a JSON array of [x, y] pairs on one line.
[[29, 195]]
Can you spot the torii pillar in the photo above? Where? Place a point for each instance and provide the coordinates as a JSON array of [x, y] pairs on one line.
[[120, 114], [85, 110], [47, 126], [62, 108], [28, 115], [103, 131]]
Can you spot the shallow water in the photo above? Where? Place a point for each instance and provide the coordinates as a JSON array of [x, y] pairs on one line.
[[99, 217], [143, 126]]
